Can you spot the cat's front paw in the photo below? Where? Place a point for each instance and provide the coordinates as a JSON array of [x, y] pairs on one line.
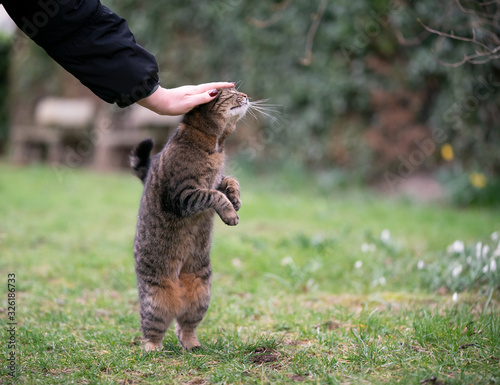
[[229, 217], [233, 194], [235, 201], [231, 189]]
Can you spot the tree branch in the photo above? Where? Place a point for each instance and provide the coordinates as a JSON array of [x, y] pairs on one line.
[[455, 37], [472, 59], [488, 48], [307, 59]]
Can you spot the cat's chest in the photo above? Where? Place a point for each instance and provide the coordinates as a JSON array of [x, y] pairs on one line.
[[209, 172], [214, 183], [190, 174]]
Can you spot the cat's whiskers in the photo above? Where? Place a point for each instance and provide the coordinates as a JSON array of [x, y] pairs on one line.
[[267, 110], [238, 85]]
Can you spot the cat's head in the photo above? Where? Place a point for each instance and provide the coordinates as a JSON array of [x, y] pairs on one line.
[[220, 114]]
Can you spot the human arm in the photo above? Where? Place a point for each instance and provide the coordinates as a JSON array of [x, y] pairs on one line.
[[91, 42]]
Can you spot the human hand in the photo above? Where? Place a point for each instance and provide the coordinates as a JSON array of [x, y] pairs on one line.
[[178, 101]]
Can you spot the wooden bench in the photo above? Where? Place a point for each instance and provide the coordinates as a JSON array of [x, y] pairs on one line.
[[116, 136], [76, 132], [57, 122]]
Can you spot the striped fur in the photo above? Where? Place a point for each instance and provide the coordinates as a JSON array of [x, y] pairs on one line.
[[184, 187]]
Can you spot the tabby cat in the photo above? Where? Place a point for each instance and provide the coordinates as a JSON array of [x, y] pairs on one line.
[[184, 186]]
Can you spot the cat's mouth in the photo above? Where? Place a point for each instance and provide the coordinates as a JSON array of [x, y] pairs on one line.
[[241, 109], [242, 104]]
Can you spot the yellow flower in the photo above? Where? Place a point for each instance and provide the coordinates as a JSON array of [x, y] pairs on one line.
[[447, 152], [477, 179]]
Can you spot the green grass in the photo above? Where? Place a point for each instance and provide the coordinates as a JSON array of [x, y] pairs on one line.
[[288, 302]]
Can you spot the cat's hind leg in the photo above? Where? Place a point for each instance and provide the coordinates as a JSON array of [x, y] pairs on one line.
[[196, 299], [158, 307]]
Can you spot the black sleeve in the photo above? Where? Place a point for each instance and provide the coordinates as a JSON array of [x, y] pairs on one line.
[[91, 42]]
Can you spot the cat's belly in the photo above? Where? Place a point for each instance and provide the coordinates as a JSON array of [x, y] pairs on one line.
[[174, 237]]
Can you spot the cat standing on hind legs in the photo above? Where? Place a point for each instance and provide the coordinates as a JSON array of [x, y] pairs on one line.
[[184, 187]]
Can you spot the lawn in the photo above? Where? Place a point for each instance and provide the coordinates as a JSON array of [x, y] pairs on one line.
[[316, 285]]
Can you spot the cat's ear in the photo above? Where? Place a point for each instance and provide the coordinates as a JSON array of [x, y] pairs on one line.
[[210, 106]]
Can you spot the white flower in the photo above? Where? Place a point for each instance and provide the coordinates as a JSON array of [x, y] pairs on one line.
[[385, 236], [456, 271], [493, 265], [358, 264], [486, 250], [469, 260], [496, 253], [479, 247], [420, 265], [485, 269], [315, 265], [382, 281], [287, 261], [368, 247], [455, 297], [236, 262], [317, 239], [494, 236], [456, 247]]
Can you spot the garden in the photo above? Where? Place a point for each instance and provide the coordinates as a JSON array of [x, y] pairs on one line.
[[368, 242]]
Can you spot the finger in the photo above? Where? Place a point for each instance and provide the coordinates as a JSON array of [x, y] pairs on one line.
[[202, 98], [200, 88]]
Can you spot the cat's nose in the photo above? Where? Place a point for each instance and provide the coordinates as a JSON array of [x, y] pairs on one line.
[[244, 95]]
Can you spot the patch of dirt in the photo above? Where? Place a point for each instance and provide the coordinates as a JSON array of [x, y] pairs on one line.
[[331, 325], [59, 372], [415, 348], [297, 378], [298, 342], [432, 380], [197, 381], [420, 187], [264, 355], [136, 341]]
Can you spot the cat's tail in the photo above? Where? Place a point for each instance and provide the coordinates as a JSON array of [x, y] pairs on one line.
[[140, 158]]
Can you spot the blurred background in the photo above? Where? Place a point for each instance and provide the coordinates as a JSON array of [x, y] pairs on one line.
[[402, 96]]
